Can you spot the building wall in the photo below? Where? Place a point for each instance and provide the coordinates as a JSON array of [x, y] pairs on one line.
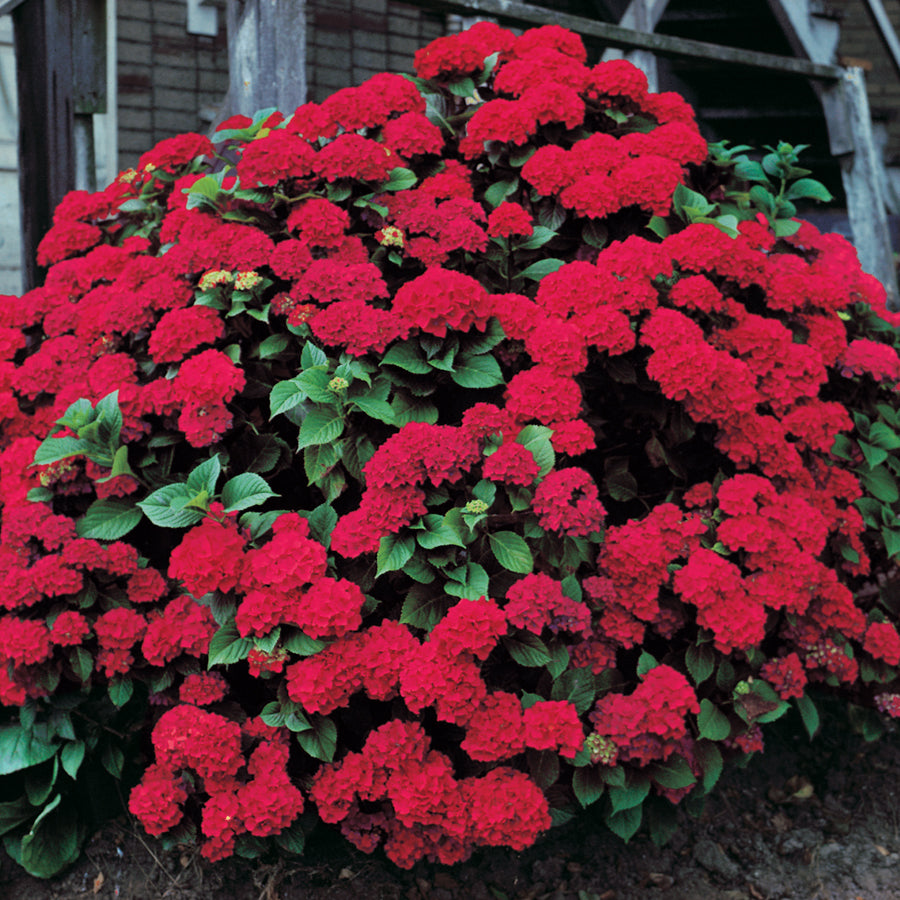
[[169, 81], [10, 232], [348, 41], [861, 44]]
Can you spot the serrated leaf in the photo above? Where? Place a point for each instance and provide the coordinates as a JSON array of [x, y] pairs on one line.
[[626, 822], [323, 425], [285, 395], [540, 269], [536, 439], [630, 796], [527, 649], [712, 722], [500, 190], [407, 356], [400, 179], [700, 661], [394, 552], [166, 507], [709, 758], [646, 662], [245, 490], [108, 519], [423, 609], [809, 714], [808, 189], [311, 355], [321, 523], [881, 484], [375, 409], [588, 785], [543, 766], [539, 236], [204, 477], [578, 686], [674, 773], [54, 449], [320, 742], [19, 749], [480, 371], [53, 841], [511, 551], [227, 646], [273, 345]]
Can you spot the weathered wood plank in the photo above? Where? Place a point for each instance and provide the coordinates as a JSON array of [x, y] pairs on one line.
[[864, 187], [266, 55], [511, 11]]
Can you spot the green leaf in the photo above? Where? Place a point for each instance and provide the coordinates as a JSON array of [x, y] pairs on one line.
[[536, 440], [527, 649], [14, 813], [543, 766], [700, 661], [891, 537], [408, 409], [874, 455], [54, 449], [750, 170], [166, 507], [108, 519], [120, 689], [578, 686], [400, 179], [407, 356], [321, 523], [375, 409], [285, 395], [292, 839], [245, 490], [320, 742], [423, 609], [646, 663], [881, 484], [674, 773], [322, 426], [312, 355], [302, 644], [465, 87], [438, 533], [712, 722], [71, 757], [588, 785], [273, 345], [631, 795], [537, 239], [536, 271], [625, 823], [394, 552], [808, 188], [500, 190], [53, 841], [809, 714], [481, 371], [710, 760], [512, 552], [113, 760], [19, 749], [227, 646]]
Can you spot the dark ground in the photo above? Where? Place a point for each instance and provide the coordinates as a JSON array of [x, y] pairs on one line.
[[803, 821]]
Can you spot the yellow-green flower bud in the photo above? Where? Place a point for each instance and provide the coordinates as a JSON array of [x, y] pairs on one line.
[[475, 506], [338, 385]]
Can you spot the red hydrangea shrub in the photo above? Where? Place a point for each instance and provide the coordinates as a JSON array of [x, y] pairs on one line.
[[432, 458]]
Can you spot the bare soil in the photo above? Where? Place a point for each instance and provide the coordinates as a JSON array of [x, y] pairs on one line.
[[803, 821]]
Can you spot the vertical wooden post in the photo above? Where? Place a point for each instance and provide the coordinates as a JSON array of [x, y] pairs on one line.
[[42, 35], [864, 187], [60, 50], [642, 15], [266, 55]]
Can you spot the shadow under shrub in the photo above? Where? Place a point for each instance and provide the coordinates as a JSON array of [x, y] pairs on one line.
[[435, 462]]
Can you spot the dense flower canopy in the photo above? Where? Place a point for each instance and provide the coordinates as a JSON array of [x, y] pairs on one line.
[[429, 457]]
